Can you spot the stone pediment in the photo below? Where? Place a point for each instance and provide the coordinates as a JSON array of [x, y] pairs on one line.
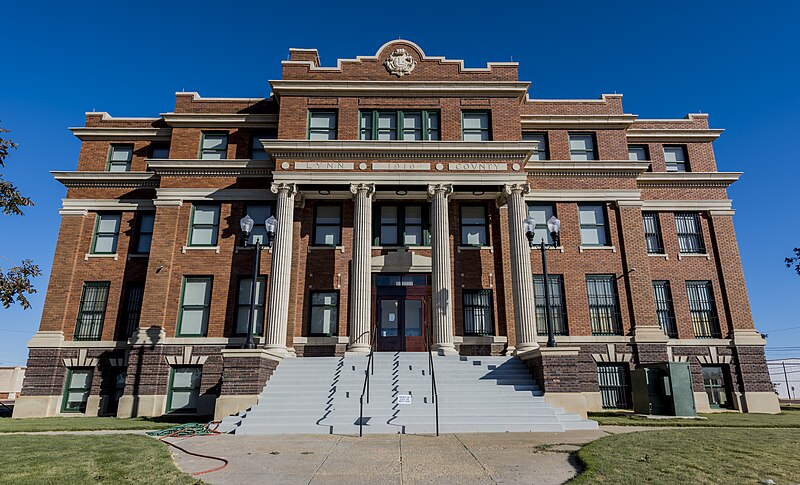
[[400, 261]]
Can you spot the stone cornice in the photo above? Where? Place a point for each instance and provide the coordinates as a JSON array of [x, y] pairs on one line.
[[519, 151], [107, 179], [671, 135], [221, 120], [588, 168], [96, 205], [687, 205], [120, 133], [307, 87], [687, 179], [211, 168], [577, 122], [399, 178], [583, 195]]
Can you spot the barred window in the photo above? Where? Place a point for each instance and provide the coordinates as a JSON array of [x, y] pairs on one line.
[[214, 146], [557, 305], [92, 311], [106, 233], [243, 305], [690, 233], [603, 305], [478, 312], [541, 149], [132, 309], [664, 309], [582, 146], [703, 309], [541, 213], [614, 382], [119, 158], [652, 233]]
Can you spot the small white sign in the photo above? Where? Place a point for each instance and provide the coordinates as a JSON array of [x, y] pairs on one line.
[[404, 399], [391, 317]]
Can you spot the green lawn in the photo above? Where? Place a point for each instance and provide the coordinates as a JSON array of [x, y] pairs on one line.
[[789, 418], [80, 423], [692, 456], [71, 459]]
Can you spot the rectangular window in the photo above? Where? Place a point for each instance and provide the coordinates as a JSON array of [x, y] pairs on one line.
[[195, 306], [205, 225], [474, 227], [664, 310], [582, 146], [702, 309], [715, 383], [257, 151], [614, 382], [145, 221], [214, 146], [328, 225], [243, 305], [541, 213], [324, 313], [132, 309], [92, 311], [558, 306], [184, 389], [259, 214], [638, 152], [603, 305], [321, 125], [399, 125], [675, 157], [159, 150], [402, 225], [541, 150], [106, 233], [76, 390], [690, 233], [475, 126], [478, 312], [652, 233], [119, 158], [594, 231]]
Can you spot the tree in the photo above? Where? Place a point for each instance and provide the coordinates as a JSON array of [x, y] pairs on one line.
[[794, 261], [15, 283]]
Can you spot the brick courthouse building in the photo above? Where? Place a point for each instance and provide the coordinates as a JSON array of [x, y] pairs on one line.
[[400, 183]]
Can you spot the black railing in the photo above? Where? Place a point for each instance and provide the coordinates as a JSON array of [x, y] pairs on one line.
[[432, 372], [365, 388]]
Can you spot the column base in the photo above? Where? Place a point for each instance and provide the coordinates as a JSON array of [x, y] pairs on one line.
[[525, 348], [446, 348], [279, 352], [357, 349]]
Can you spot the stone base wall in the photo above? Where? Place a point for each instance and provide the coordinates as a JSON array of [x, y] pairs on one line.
[[305, 350], [480, 349]]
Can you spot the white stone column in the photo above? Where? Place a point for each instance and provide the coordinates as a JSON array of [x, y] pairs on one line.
[[281, 271], [521, 274], [442, 287], [360, 284]]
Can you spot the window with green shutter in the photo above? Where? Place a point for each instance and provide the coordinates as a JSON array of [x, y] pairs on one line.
[[204, 225], [106, 233], [399, 125], [195, 306]]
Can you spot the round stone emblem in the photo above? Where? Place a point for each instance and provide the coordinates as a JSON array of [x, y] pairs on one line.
[[400, 62], [362, 166], [285, 165], [439, 166]]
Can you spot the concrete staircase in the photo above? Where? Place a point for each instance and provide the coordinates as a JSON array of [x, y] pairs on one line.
[[320, 395]]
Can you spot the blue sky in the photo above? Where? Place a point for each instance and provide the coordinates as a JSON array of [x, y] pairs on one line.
[[737, 61]]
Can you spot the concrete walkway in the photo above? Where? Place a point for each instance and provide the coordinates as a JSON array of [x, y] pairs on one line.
[[486, 458]]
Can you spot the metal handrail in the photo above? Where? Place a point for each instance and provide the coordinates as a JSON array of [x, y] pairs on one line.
[[365, 388], [432, 372]]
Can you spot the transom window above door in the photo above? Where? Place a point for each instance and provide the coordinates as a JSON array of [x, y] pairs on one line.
[[402, 225], [399, 125]]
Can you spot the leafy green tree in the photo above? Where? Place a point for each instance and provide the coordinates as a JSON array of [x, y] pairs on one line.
[[795, 261], [15, 282]]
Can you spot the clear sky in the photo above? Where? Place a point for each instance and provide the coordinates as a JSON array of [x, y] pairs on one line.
[[736, 60]]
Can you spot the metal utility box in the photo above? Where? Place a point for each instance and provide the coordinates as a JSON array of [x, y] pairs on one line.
[[663, 389]]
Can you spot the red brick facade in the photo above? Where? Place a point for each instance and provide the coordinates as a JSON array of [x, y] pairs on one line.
[[169, 188]]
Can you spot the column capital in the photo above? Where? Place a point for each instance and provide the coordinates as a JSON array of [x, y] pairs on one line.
[[433, 189], [522, 189], [290, 189], [362, 187]]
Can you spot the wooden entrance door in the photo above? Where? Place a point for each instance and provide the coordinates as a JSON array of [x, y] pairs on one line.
[[401, 315]]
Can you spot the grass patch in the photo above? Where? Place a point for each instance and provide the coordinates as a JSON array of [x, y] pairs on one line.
[[788, 418], [81, 423], [692, 456], [107, 459]]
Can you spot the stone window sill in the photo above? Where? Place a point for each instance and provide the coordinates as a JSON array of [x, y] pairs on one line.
[[200, 248], [326, 248], [138, 256], [409, 248], [475, 248], [238, 249], [86, 256], [694, 255], [659, 255], [613, 249], [537, 247]]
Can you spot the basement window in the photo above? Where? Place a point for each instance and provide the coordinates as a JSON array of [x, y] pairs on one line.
[[76, 390], [184, 389]]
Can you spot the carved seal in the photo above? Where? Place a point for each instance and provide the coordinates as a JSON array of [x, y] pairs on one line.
[[400, 62]]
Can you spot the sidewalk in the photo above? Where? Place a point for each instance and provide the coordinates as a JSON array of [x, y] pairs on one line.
[[485, 458]]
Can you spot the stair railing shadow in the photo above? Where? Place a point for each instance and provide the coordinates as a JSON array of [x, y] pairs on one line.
[[370, 369], [332, 391], [395, 391]]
